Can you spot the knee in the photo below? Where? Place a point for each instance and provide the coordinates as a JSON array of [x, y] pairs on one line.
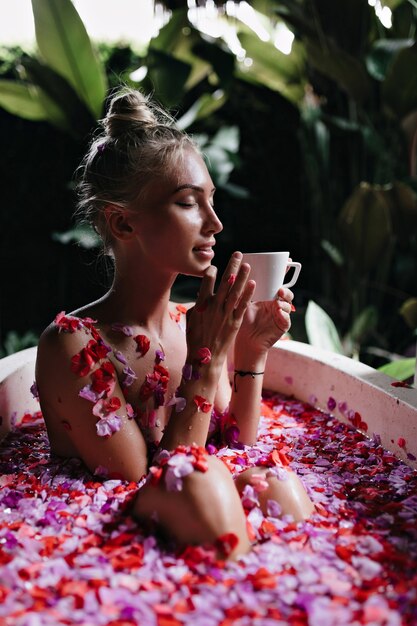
[[207, 507], [288, 492]]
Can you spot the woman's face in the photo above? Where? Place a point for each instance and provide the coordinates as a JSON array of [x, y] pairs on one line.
[[176, 222]]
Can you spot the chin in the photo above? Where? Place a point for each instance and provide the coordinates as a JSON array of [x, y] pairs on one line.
[[197, 272]]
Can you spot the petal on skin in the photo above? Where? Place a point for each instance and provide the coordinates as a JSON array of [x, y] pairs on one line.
[[120, 357], [106, 406], [122, 328], [142, 344], [179, 403], [88, 394], [202, 404], [159, 356], [130, 376], [204, 355], [187, 371], [106, 426]]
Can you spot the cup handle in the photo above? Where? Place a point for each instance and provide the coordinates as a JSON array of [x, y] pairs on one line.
[[297, 270]]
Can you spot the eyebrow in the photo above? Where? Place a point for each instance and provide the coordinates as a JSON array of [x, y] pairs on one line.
[[194, 187]]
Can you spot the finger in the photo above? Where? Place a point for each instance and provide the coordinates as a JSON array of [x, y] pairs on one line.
[[286, 307], [229, 275], [237, 289], [206, 287], [285, 294], [281, 318], [245, 298]]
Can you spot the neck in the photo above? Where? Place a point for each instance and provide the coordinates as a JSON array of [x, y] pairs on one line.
[[139, 298]]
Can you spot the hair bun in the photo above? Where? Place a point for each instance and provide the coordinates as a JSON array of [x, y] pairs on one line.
[[129, 111]]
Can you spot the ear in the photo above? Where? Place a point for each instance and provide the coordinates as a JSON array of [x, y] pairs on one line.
[[119, 222]]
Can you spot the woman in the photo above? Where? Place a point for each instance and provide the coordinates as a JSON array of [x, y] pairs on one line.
[[121, 385]]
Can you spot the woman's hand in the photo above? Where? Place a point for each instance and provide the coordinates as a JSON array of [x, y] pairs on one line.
[[212, 323], [264, 323], [216, 317]]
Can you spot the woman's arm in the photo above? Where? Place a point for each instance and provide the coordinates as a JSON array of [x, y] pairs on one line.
[[101, 430], [263, 325], [212, 325]]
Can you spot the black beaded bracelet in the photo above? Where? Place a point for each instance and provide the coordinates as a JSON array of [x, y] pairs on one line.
[[242, 373]]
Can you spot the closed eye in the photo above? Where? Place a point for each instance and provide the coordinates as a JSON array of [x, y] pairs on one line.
[[187, 204]]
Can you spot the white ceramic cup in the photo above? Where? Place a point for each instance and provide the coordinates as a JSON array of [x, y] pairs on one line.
[[268, 270]]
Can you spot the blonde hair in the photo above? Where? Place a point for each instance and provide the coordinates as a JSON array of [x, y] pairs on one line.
[[139, 141]]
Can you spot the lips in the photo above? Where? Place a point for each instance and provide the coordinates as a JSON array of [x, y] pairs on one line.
[[206, 247]]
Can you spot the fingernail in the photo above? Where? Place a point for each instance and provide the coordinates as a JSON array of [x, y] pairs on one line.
[[293, 308]]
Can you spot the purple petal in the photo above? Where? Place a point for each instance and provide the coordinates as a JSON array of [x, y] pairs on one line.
[[331, 403], [159, 356], [187, 371], [34, 390], [88, 394], [130, 376], [231, 435], [273, 509], [179, 403], [120, 357], [108, 425], [122, 328]]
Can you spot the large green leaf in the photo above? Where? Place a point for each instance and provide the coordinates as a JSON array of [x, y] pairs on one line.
[[32, 103], [321, 330], [399, 90], [408, 311], [363, 324], [346, 70], [220, 59], [278, 71], [401, 369], [365, 225], [295, 15], [177, 38], [381, 55], [203, 107], [392, 4], [65, 46], [403, 204], [73, 112], [168, 75], [167, 38], [21, 99]]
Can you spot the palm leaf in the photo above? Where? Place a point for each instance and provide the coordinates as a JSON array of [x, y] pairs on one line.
[[65, 46], [21, 99], [321, 330]]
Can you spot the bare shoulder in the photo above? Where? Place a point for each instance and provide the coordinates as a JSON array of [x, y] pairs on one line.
[[79, 395], [65, 336]]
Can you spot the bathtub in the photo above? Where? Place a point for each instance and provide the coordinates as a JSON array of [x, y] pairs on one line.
[[329, 381], [69, 553]]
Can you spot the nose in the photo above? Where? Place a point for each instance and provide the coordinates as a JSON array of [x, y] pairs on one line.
[[212, 224]]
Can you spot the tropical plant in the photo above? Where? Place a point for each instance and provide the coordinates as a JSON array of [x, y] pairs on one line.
[[359, 136], [64, 83]]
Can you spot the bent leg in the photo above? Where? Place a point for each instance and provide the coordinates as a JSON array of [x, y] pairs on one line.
[[207, 507], [290, 494]]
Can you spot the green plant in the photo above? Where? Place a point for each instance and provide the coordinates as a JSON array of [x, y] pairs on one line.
[[14, 342], [64, 83], [359, 139]]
